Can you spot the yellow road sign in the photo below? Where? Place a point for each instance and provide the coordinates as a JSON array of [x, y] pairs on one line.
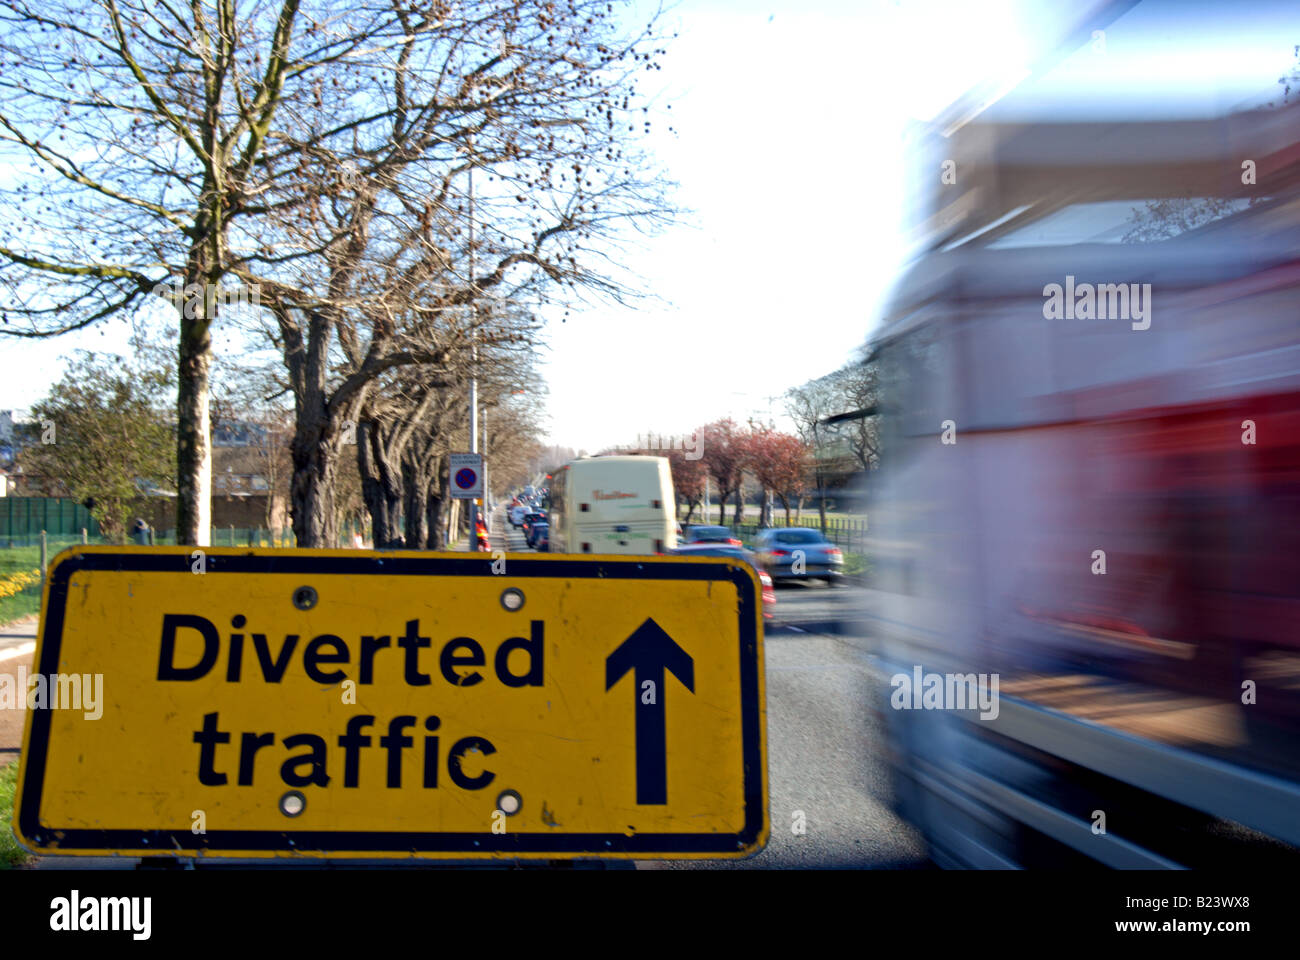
[[261, 703]]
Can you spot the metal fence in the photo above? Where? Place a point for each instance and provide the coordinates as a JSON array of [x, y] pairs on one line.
[[228, 536], [219, 537], [236, 537], [23, 518]]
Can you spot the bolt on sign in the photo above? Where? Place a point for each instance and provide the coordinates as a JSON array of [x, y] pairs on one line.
[[348, 704]]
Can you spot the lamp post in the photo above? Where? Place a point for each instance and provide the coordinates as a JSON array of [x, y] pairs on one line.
[[472, 538], [487, 489]]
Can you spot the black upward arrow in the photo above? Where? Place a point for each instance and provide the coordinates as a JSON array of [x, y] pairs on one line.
[[648, 651]]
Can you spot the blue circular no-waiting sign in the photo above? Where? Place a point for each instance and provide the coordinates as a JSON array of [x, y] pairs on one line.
[[466, 478]]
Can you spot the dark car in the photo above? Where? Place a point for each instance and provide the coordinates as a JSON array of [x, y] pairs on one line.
[[738, 553], [799, 553], [533, 516], [535, 530], [699, 533], [542, 538]]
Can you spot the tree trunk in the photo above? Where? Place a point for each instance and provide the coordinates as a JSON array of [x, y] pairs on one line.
[[193, 414], [438, 492], [372, 491], [821, 502], [383, 526], [414, 506], [315, 468], [785, 503], [434, 521], [739, 515], [451, 517], [381, 486], [316, 436]]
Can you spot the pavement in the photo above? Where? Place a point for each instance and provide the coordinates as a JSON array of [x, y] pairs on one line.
[[17, 648]]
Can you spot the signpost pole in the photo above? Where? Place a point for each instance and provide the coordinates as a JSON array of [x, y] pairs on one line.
[[471, 543], [486, 494], [473, 423]]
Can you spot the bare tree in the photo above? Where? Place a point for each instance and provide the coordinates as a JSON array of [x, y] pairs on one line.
[[858, 420], [395, 259], [780, 464], [406, 429], [513, 441], [549, 459], [808, 405], [151, 131], [175, 144], [688, 480], [724, 457]]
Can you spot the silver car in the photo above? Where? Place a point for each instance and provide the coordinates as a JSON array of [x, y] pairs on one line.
[[799, 553]]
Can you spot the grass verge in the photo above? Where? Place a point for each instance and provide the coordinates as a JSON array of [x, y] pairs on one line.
[[11, 854], [24, 604], [16, 562], [856, 564]]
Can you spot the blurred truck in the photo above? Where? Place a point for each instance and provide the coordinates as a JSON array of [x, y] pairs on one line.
[[1090, 490]]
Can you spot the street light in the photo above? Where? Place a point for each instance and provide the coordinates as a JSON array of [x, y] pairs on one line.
[[473, 382]]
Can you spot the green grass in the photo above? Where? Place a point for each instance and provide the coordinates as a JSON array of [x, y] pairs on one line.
[[856, 563], [11, 854], [18, 559], [28, 601], [24, 604], [13, 559]]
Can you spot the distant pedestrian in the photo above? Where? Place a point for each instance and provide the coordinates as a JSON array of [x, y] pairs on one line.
[[140, 532]]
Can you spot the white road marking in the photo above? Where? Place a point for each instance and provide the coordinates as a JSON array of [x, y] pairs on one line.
[[19, 651]]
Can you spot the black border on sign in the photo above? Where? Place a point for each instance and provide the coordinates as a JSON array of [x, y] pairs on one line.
[[308, 842]]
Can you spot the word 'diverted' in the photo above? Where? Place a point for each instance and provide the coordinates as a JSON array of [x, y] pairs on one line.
[[321, 659]]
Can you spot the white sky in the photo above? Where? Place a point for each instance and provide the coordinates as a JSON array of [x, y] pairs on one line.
[[790, 116]]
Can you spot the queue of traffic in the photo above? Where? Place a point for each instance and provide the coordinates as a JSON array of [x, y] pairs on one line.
[[627, 505]]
